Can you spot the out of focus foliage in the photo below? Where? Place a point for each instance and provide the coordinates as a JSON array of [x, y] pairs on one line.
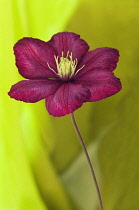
[[41, 162]]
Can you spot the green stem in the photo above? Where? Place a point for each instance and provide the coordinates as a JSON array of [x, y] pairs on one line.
[[88, 160]]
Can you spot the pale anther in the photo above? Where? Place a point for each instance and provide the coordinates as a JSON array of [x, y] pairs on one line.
[[66, 66]]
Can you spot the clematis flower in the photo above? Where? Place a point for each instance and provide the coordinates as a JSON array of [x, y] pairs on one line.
[[64, 72]]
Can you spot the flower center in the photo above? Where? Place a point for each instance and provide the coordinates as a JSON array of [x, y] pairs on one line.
[[66, 66]]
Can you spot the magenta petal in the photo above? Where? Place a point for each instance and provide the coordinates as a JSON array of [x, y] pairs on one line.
[[32, 56], [67, 99], [67, 41], [101, 58], [32, 91], [101, 84]]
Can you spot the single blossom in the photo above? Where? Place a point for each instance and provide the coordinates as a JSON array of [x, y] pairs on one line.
[[64, 72]]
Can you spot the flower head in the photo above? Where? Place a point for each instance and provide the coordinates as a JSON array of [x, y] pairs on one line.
[[64, 72]]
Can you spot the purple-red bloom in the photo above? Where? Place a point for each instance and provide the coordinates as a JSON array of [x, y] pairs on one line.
[[64, 72]]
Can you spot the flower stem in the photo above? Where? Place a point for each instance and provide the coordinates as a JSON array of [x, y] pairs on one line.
[[88, 160]]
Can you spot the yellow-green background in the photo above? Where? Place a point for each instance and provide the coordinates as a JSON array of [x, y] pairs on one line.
[[42, 166]]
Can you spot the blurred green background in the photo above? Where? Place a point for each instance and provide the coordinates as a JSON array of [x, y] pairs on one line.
[[42, 166]]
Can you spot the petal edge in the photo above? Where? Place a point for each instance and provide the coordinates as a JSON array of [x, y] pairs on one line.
[[67, 99], [101, 84], [32, 91], [32, 56], [101, 58], [68, 41]]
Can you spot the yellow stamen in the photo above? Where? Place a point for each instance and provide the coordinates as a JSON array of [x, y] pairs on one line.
[[66, 66]]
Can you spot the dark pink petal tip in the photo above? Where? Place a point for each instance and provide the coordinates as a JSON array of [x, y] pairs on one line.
[[67, 99], [32, 56], [101, 58], [31, 91], [68, 41], [101, 83]]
